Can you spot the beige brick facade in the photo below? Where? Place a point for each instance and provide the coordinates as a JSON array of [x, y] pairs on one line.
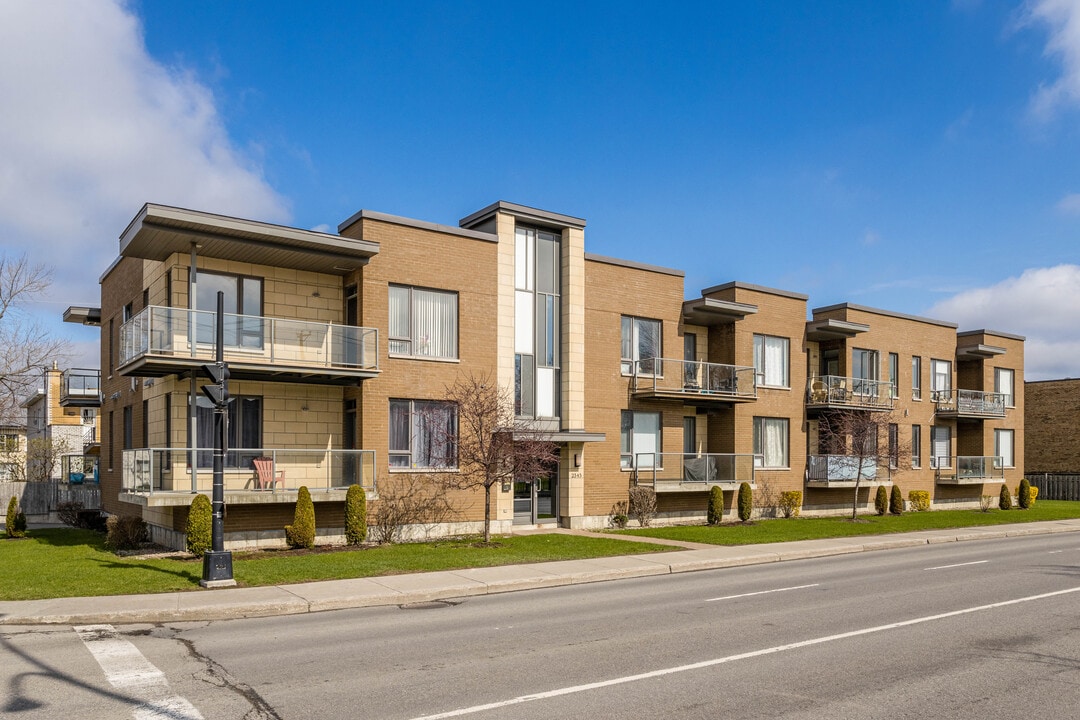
[[1052, 426]]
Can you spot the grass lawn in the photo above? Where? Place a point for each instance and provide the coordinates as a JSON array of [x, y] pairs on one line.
[[786, 530], [65, 562]]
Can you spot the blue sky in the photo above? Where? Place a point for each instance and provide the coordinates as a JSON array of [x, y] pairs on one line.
[[915, 156]]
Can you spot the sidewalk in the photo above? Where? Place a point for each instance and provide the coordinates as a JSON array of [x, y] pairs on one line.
[[428, 587]]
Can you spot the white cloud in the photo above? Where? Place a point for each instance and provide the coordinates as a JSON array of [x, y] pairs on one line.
[[1041, 304], [1061, 18], [870, 237], [1070, 204], [92, 128]]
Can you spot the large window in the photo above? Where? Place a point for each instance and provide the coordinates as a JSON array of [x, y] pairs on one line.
[[941, 380], [916, 378], [537, 318], [423, 323], [916, 446], [1003, 383], [894, 375], [771, 360], [243, 296], [1003, 447], [771, 442], [244, 430], [864, 371], [423, 434], [640, 433], [940, 446], [640, 345]]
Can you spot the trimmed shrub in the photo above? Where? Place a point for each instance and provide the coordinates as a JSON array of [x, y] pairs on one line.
[[125, 532], [790, 503], [643, 505], [301, 534], [1023, 494], [16, 521], [1005, 498], [881, 500], [1034, 493], [355, 515], [920, 500], [746, 501], [714, 513], [200, 525], [896, 501]]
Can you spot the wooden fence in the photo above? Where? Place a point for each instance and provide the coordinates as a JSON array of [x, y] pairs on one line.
[[1056, 487], [42, 498]]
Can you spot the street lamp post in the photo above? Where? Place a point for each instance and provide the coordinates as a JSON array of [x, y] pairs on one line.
[[217, 562]]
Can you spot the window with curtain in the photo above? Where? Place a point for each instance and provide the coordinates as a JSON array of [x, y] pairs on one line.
[[940, 446], [771, 442], [941, 379], [423, 323], [1003, 384], [244, 431], [1003, 447], [864, 371], [771, 360], [640, 433], [640, 345], [423, 434]]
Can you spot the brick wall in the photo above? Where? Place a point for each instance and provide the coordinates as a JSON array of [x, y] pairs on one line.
[[1052, 426]]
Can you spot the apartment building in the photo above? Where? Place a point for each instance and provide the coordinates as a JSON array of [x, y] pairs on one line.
[[62, 430], [341, 347]]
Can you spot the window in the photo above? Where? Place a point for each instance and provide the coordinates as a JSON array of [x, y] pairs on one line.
[[916, 378], [771, 360], [640, 435], [771, 442], [1003, 384], [243, 297], [537, 318], [894, 375], [128, 428], [940, 447], [244, 431], [1003, 447], [640, 345], [941, 380], [689, 432], [916, 446], [423, 434], [423, 323], [128, 311], [864, 371]]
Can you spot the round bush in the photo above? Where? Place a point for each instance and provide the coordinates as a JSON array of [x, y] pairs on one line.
[[881, 500], [200, 525], [896, 501], [1023, 494], [355, 515], [301, 534], [1005, 498], [746, 501], [715, 514]]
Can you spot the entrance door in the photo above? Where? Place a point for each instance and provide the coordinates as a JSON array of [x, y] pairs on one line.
[[536, 501]]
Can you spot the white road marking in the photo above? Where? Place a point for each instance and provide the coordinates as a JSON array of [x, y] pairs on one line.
[[733, 658], [127, 669], [1049, 552], [946, 567], [761, 592]]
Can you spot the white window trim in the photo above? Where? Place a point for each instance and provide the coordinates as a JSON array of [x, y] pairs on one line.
[[760, 375]]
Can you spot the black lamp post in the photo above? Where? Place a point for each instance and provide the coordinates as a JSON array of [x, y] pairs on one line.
[[217, 562]]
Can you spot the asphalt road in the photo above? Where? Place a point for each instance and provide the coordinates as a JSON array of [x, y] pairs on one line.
[[981, 630]]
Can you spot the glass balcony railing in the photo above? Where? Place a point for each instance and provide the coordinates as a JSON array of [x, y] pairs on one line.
[[701, 469], [168, 470], [969, 403], [969, 468], [834, 391], [178, 332], [80, 386], [843, 468], [659, 376]]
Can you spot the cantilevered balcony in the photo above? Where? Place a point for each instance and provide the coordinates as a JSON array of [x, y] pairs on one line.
[[829, 392], [80, 387], [161, 341], [973, 404], [968, 469], [693, 472], [162, 476], [844, 470], [696, 383]]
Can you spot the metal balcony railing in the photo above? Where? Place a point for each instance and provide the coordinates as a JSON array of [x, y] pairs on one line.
[[701, 469], [660, 376], [80, 386], [969, 403], [844, 468], [834, 391], [968, 468], [178, 332], [168, 470]]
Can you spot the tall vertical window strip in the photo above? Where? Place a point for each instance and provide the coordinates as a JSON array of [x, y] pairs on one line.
[[916, 446], [894, 445], [916, 378], [940, 446], [639, 439], [1003, 384], [423, 323], [640, 345], [1003, 447], [771, 442], [941, 379], [771, 360], [423, 434], [894, 375], [537, 318]]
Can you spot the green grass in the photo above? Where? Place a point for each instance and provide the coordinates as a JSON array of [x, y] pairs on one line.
[[787, 530], [65, 562]]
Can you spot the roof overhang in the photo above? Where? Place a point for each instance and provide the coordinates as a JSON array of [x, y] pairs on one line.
[[978, 352], [562, 436], [83, 315], [831, 329], [158, 231], [711, 312]]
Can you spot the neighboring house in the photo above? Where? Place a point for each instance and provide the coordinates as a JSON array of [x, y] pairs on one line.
[[1052, 422], [62, 431], [12, 452], [341, 348]]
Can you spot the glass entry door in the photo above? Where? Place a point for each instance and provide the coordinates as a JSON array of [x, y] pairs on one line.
[[536, 501]]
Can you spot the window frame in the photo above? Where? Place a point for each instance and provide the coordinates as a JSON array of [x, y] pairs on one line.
[[916, 446], [916, 377], [416, 408], [245, 335], [935, 392], [894, 375], [761, 366], [413, 340], [627, 453], [998, 434], [239, 455], [628, 365], [760, 454], [1009, 398], [937, 430]]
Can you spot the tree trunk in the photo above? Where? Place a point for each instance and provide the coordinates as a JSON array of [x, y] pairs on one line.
[[487, 514], [855, 500]]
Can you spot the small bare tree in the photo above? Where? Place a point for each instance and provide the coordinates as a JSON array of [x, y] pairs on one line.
[[862, 443], [493, 445], [408, 500]]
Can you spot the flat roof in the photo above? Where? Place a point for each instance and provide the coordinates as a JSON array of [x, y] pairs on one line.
[[82, 315], [887, 313], [995, 333], [756, 288], [158, 231], [421, 224], [543, 217], [710, 312], [635, 265]]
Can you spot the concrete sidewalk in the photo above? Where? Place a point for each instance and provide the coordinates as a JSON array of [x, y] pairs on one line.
[[427, 587]]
